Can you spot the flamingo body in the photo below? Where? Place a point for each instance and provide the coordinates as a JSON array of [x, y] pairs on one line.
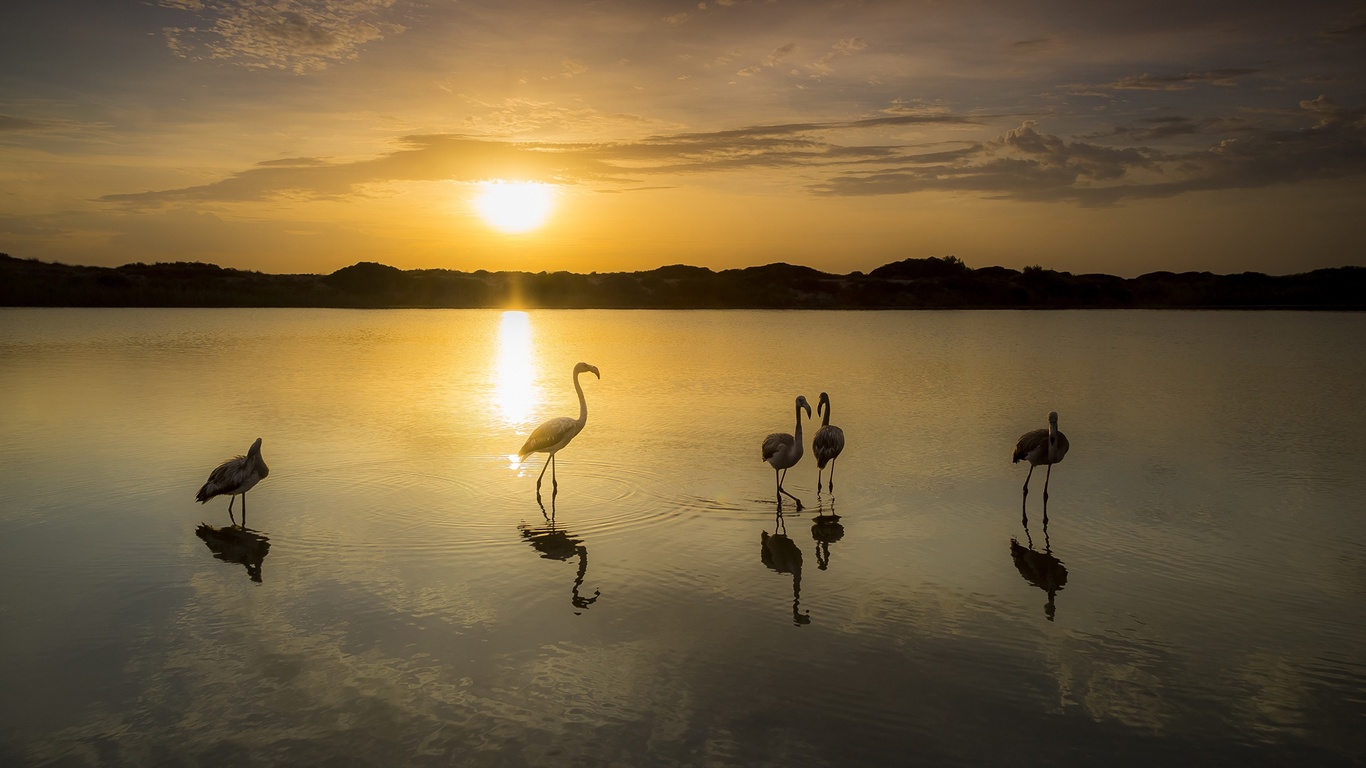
[[1036, 447], [551, 436], [235, 477]]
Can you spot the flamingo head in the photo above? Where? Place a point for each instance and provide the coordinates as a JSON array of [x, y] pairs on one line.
[[801, 403], [822, 403], [586, 368], [255, 449]]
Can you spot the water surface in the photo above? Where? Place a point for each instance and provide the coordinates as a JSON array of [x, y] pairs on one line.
[[1199, 593]]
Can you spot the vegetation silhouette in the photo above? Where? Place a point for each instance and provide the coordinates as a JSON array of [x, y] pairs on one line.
[[915, 283]]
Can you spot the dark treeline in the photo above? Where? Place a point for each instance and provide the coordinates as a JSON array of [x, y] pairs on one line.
[[931, 283]]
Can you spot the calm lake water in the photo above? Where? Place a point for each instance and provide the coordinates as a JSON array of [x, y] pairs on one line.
[[1198, 596]]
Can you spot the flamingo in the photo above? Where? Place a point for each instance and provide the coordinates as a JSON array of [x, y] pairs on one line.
[[782, 450], [827, 443], [555, 434], [235, 477], [1041, 446]]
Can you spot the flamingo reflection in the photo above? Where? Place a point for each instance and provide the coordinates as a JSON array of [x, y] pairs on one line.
[[782, 451], [555, 544], [825, 530], [236, 545], [1042, 569], [782, 555]]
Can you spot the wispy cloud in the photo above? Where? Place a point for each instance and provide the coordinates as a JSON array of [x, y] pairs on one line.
[[447, 157], [848, 47], [10, 123], [1025, 163], [1224, 78], [1028, 164], [298, 35], [777, 55]]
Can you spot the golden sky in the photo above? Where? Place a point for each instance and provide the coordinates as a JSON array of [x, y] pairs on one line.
[[304, 136]]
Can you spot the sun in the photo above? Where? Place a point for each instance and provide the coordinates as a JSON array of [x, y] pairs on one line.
[[515, 206]]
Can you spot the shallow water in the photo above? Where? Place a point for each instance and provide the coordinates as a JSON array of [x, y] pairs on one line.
[[1199, 592]]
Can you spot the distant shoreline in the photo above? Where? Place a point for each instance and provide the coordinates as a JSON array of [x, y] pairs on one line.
[[930, 283]]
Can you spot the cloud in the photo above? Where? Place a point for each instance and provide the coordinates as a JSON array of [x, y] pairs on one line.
[[1160, 128], [31, 226], [451, 157], [1330, 114], [846, 47], [773, 59], [522, 116], [298, 35], [850, 46], [1024, 163], [1028, 164], [778, 54], [1224, 78], [1350, 27], [10, 123], [571, 67]]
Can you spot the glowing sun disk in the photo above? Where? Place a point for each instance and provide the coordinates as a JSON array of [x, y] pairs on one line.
[[515, 206]]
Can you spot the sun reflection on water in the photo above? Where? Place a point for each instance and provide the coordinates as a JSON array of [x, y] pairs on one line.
[[514, 389]]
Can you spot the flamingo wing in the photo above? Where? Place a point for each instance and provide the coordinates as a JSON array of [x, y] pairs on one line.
[[1028, 443], [223, 479], [550, 435], [778, 441], [827, 444]]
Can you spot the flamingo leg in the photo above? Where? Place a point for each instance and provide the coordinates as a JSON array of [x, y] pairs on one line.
[[231, 499], [1045, 493], [783, 490], [543, 469], [1024, 514], [832, 477], [244, 509], [554, 484]]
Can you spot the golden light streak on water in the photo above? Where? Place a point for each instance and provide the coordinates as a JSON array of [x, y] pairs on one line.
[[515, 393]]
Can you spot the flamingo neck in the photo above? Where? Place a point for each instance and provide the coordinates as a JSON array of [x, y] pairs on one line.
[[798, 431], [825, 419], [583, 403]]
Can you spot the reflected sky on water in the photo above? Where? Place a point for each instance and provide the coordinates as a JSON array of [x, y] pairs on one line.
[[1198, 593]]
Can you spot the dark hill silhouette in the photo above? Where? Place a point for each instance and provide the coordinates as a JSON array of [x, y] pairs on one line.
[[912, 269], [930, 283]]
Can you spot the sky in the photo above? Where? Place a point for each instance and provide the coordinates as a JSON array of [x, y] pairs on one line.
[[293, 136]]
